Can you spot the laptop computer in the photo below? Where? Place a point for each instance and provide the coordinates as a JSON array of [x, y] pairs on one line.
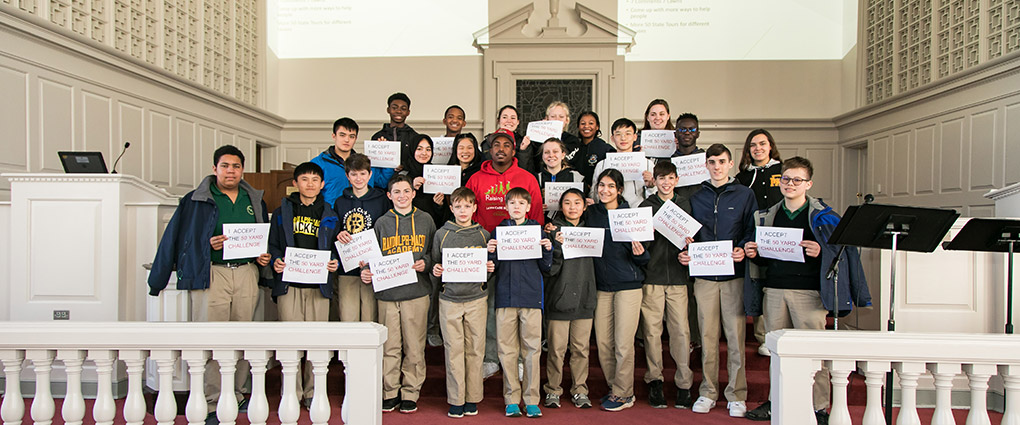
[[83, 162]]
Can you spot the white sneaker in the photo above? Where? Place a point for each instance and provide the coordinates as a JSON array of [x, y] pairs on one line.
[[489, 369], [737, 409], [764, 351], [703, 405]]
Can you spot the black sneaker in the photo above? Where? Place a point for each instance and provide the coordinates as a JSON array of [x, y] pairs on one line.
[[655, 396], [408, 406], [211, 419], [242, 406], [683, 399], [822, 417], [764, 413], [390, 404]]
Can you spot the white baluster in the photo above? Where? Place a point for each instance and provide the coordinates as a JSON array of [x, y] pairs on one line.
[[166, 405], [226, 406], [104, 410], [289, 411], [838, 372], [1011, 382], [42, 405], [197, 408], [12, 410], [258, 405], [73, 407], [134, 404], [874, 378], [319, 412], [908, 373], [943, 374], [979, 375]]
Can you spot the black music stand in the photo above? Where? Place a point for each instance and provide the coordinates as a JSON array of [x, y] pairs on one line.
[[897, 228], [992, 235]]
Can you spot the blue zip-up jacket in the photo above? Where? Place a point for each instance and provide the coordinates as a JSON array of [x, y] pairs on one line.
[[281, 236], [852, 287], [185, 243], [618, 269], [359, 214], [519, 283], [724, 216], [336, 175]]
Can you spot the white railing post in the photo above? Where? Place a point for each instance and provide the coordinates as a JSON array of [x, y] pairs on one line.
[[104, 411], [226, 406], [839, 370], [319, 411], [196, 408], [42, 405], [791, 383], [258, 405], [166, 404], [979, 375], [289, 410], [874, 378], [134, 404], [363, 367], [12, 410], [72, 409], [1011, 382], [908, 372], [943, 374]]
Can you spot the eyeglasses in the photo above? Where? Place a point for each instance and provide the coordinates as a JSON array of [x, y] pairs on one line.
[[687, 130], [795, 180]]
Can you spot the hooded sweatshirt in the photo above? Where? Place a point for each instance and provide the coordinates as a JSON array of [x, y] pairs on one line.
[[452, 235], [519, 282], [282, 235], [399, 233], [405, 135], [764, 182], [663, 267], [360, 214], [570, 288], [490, 188]]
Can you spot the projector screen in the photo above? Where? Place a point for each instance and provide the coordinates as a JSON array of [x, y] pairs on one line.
[[378, 28], [701, 30]]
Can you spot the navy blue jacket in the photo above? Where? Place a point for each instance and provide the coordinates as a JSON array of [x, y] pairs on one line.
[[519, 282], [281, 236], [358, 214], [618, 269], [726, 216], [185, 243]]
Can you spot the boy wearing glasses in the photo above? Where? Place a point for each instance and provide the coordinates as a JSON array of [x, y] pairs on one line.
[[797, 295]]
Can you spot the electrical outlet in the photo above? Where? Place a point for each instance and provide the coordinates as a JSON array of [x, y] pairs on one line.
[[61, 314]]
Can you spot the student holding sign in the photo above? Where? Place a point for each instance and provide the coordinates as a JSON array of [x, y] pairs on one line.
[[555, 169], [404, 309], [724, 208], [570, 309], [592, 148], [559, 111], [797, 294], [453, 119], [398, 107], [509, 119], [618, 278], [462, 308], [624, 135], [519, 300], [467, 155], [303, 220], [333, 161], [415, 168]]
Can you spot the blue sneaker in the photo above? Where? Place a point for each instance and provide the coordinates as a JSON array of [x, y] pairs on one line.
[[456, 412], [533, 411], [513, 411], [470, 409], [616, 404]]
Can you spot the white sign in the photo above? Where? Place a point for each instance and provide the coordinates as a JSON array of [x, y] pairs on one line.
[[711, 258], [631, 164], [364, 246], [519, 242], [675, 224], [384, 154], [392, 271], [631, 224], [442, 149], [658, 143], [245, 240], [441, 178], [465, 264], [554, 190], [780, 243], [582, 241], [540, 131], [691, 169], [306, 266]]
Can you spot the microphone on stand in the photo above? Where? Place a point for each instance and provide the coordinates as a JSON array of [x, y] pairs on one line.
[[126, 145]]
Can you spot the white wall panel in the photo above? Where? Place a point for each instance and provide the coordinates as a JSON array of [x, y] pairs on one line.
[[161, 148], [131, 123], [982, 153], [880, 166], [900, 164], [952, 151], [206, 147], [924, 160], [14, 119], [184, 155], [1012, 142], [96, 124], [56, 123], [824, 162]]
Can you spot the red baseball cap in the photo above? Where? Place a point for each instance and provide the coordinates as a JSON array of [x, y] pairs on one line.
[[504, 133]]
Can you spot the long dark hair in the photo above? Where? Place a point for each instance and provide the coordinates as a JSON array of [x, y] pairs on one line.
[[617, 178], [745, 157], [474, 145]]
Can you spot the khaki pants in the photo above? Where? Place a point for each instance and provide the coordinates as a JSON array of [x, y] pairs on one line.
[[231, 297], [671, 301], [799, 309], [574, 334], [404, 349], [354, 299], [303, 305], [722, 300], [463, 327], [616, 321], [519, 331]]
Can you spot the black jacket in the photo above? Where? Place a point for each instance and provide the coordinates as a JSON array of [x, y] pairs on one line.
[[764, 182], [618, 269], [570, 288], [663, 266]]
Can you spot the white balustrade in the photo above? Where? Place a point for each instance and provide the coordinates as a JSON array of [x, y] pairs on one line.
[[798, 354], [357, 345]]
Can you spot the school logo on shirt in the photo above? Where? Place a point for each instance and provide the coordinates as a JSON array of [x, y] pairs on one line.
[[251, 211], [357, 220], [306, 226], [397, 244], [593, 159], [497, 193], [774, 181]]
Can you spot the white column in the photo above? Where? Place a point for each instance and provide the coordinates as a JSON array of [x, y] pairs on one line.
[[197, 408], [319, 412], [943, 374], [364, 386], [166, 405], [104, 410], [1011, 381], [908, 372], [289, 411], [42, 405], [12, 410], [134, 404], [979, 375], [226, 407], [258, 405], [72, 410], [874, 378], [839, 370]]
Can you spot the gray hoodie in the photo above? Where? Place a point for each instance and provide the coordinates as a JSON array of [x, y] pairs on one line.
[[452, 235], [402, 233]]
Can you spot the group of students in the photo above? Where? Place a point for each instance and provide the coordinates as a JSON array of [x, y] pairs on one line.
[[506, 317]]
